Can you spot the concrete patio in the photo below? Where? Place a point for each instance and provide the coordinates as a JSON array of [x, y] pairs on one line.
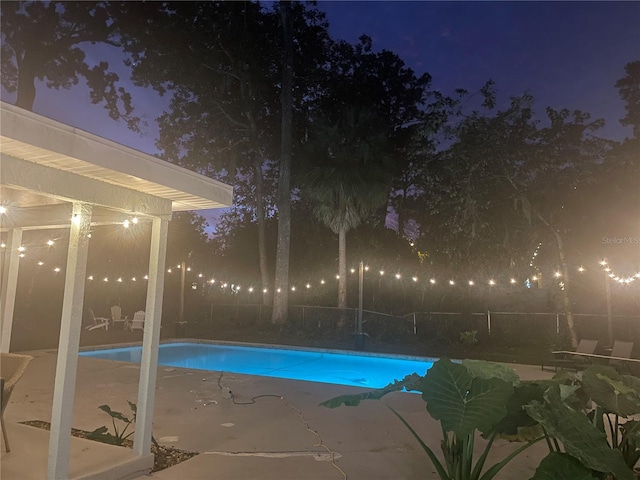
[[272, 438]]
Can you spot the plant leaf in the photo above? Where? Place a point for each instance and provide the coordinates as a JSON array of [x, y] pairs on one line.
[[560, 466], [462, 402], [489, 370], [410, 382], [580, 438]]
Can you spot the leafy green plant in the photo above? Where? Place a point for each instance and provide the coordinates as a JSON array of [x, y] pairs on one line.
[[609, 401], [477, 397], [465, 398], [118, 436], [469, 338]]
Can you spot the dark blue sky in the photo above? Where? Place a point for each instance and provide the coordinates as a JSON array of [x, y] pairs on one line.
[[567, 54]]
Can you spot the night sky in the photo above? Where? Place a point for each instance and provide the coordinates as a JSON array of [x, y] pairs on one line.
[[567, 54]]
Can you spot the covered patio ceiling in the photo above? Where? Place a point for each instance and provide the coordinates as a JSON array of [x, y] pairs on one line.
[[56, 176]]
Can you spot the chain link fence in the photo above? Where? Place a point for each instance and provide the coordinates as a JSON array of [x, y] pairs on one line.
[[513, 329]]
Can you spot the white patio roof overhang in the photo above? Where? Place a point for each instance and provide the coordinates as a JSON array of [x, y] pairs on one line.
[[56, 176]]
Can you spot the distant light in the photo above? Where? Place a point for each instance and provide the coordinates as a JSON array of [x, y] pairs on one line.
[[57, 269], [322, 282], [134, 279], [199, 275], [105, 279], [433, 281], [293, 289], [21, 255], [607, 269], [90, 277], [581, 269], [3, 209], [353, 270], [512, 281], [188, 269], [381, 272], [603, 263], [40, 263], [611, 275], [134, 220], [3, 245], [21, 248], [337, 277], [125, 224], [212, 281], [451, 282], [398, 276], [557, 274], [168, 270], [415, 279], [225, 285], [120, 279], [250, 289], [278, 290], [471, 282], [264, 290], [50, 242], [366, 268], [146, 277], [534, 278], [308, 285], [178, 266], [492, 282], [89, 235]]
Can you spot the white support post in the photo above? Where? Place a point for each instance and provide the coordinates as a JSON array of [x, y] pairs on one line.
[[70, 328], [489, 322], [9, 286], [151, 340]]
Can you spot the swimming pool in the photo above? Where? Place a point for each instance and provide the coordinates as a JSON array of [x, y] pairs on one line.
[[371, 371]]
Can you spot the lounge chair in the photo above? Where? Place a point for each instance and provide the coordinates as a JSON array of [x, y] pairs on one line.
[[620, 351], [97, 322], [116, 315], [577, 359], [12, 367], [138, 321]]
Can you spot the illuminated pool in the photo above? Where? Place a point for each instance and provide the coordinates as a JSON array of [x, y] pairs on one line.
[[342, 368]]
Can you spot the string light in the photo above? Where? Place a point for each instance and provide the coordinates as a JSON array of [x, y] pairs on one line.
[[125, 224], [492, 282], [451, 282], [3, 245], [3, 209], [471, 283], [398, 276], [50, 242], [40, 263], [134, 220], [57, 269]]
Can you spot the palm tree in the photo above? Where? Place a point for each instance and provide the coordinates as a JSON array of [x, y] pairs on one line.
[[349, 178]]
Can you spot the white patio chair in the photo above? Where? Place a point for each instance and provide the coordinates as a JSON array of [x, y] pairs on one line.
[[97, 322], [116, 315], [138, 321], [12, 367]]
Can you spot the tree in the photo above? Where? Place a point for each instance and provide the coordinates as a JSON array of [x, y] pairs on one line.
[[629, 88], [349, 177], [504, 161], [43, 41], [222, 62], [281, 284]]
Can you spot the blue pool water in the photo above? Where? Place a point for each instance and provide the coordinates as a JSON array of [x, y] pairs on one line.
[[311, 365]]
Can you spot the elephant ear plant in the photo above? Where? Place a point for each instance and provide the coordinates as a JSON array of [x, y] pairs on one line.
[[480, 398], [603, 404]]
